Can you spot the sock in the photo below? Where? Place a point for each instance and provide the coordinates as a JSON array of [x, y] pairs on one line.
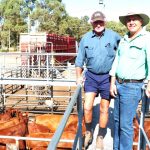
[[102, 132], [88, 126]]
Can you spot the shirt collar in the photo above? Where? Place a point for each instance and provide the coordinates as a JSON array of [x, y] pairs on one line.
[[95, 35], [142, 32]]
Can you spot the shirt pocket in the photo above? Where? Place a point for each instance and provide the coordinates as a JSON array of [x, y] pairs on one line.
[[136, 51], [110, 50], [89, 51]]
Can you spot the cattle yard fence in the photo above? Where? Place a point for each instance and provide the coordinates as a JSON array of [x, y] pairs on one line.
[[28, 80]]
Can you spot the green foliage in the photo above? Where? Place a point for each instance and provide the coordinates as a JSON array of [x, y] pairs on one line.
[[117, 26], [18, 16], [148, 27], [13, 23], [77, 27], [51, 17]]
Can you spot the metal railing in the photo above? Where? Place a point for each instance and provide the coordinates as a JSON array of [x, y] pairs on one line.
[[34, 74], [143, 139], [9, 75], [33, 66], [76, 99]]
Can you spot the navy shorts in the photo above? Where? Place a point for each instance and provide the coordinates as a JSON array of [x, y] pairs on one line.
[[99, 84]]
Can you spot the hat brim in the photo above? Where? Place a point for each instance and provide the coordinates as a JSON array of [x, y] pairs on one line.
[[144, 17]]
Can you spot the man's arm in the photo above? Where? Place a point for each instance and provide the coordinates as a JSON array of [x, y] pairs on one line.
[[148, 65], [148, 89]]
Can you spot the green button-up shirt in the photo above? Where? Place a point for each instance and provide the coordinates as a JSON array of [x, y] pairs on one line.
[[132, 60]]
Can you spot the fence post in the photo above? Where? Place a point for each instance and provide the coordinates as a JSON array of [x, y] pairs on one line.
[[59, 131], [142, 135], [78, 139]]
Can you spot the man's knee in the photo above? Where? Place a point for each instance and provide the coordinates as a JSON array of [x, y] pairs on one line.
[[104, 110], [104, 106], [87, 109]]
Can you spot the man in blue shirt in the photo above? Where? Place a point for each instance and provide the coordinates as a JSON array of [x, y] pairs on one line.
[[97, 50], [130, 67]]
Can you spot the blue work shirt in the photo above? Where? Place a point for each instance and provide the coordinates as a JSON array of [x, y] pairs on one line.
[[97, 52], [132, 60]]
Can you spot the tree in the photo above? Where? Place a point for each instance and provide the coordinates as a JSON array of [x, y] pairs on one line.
[[117, 26], [49, 15], [13, 22], [53, 18], [148, 27]]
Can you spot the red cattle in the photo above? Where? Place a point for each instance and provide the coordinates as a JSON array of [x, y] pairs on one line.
[[65, 135], [6, 115], [136, 131], [2, 147], [36, 128], [9, 123], [43, 127], [16, 126], [52, 121], [17, 130], [39, 148]]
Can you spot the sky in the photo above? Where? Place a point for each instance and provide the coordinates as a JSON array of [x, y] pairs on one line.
[[112, 8]]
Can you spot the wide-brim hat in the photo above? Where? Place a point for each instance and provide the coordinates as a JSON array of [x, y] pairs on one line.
[[144, 17]]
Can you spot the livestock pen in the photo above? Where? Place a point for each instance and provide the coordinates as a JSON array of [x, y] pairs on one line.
[[36, 88], [44, 87], [40, 82]]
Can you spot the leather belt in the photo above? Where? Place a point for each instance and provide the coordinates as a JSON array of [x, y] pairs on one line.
[[128, 80]]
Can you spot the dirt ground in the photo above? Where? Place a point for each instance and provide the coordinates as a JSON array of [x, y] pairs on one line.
[[41, 99]]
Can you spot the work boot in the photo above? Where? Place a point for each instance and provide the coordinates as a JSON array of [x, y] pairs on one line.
[[88, 139], [99, 143]]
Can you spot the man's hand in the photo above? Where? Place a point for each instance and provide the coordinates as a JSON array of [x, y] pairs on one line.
[[79, 75], [113, 88], [79, 80], [147, 91]]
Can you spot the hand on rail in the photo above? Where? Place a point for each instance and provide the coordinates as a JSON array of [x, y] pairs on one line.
[[80, 80]]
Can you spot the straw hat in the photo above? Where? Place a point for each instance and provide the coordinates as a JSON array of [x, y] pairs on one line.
[[144, 17]]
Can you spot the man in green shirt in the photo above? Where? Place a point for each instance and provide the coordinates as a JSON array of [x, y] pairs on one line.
[[130, 67]]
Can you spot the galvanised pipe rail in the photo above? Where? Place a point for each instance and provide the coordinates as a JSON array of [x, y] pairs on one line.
[[78, 139], [143, 139], [18, 138], [76, 98]]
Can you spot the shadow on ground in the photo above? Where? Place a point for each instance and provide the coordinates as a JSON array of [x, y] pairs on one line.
[[108, 139]]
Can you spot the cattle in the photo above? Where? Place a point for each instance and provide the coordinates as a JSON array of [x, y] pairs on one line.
[[44, 126], [36, 128], [39, 148], [17, 130], [52, 121], [9, 123], [2, 147], [8, 114], [16, 126], [65, 135], [136, 131]]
